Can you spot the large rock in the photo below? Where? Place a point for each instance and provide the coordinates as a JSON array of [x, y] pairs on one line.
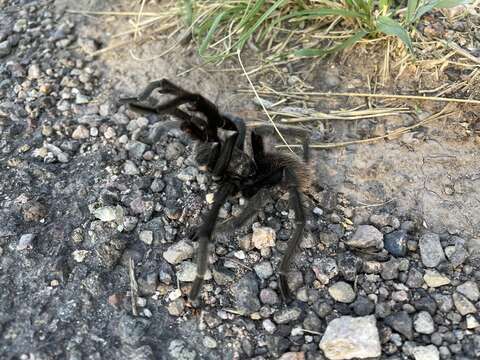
[[366, 236], [431, 250], [348, 337]]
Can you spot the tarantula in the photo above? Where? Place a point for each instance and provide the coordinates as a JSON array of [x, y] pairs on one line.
[[234, 170]]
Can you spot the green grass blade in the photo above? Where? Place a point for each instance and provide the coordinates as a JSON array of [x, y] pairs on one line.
[[411, 9], [211, 31], [444, 4], [389, 26], [322, 52], [188, 12], [246, 35], [319, 12]]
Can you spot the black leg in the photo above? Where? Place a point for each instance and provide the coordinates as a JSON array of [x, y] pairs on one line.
[[258, 149], [203, 236], [255, 203], [296, 203], [225, 156], [192, 125], [164, 86]]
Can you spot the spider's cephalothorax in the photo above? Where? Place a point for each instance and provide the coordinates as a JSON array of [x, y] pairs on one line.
[[220, 151]]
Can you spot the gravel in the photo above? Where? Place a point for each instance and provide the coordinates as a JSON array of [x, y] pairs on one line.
[[97, 204]]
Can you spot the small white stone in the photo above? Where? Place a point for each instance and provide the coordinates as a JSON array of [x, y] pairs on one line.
[[209, 198], [429, 352], [434, 279], [80, 132], [80, 255], [146, 236], [472, 323], [342, 292], [348, 337], [263, 237], [178, 252]]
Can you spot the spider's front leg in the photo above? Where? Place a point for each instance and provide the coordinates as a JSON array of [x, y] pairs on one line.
[[163, 86], [296, 203], [203, 235]]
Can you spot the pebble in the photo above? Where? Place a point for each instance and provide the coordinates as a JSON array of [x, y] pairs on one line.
[[325, 269], [390, 269], [269, 326], [130, 168], [470, 290], [269, 296], [287, 315], [245, 294], [363, 306], [423, 323], [106, 213], [366, 236], [444, 302], [342, 292], [396, 242], [25, 242], [434, 279], [263, 237], [179, 350], [187, 271], [348, 337], [5, 48], [456, 254], [463, 305], [176, 307], [431, 250], [401, 322], [263, 270], [146, 236], [34, 72], [209, 342], [178, 252], [81, 99], [472, 322], [80, 255], [429, 352]]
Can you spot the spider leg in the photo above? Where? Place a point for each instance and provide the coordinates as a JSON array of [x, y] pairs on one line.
[[204, 233], [225, 155], [296, 203], [193, 125], [164, 86], [255, 202]]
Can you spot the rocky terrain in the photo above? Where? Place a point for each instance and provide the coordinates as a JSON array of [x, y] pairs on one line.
[[96, 203]]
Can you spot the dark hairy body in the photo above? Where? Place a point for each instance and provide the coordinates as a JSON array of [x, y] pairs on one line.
[[220, 150]]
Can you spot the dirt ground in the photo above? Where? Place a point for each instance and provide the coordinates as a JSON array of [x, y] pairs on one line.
[[56, 304]]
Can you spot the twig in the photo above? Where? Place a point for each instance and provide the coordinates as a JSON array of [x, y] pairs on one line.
[[302, 95], [133, 286], [263, 106]]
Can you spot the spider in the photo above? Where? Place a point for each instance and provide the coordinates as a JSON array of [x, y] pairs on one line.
[[220, 151]]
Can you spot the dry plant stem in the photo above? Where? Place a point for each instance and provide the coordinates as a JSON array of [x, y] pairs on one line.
[[133, 286], [393, 134], [302, 95], [263, 106]]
